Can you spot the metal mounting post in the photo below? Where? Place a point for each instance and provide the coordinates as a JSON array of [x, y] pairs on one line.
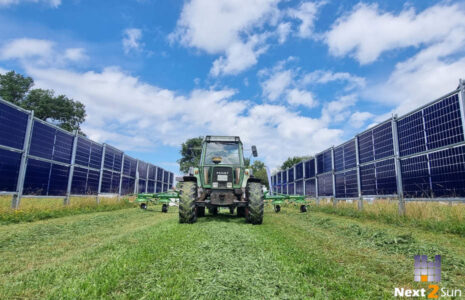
[[359, 181], [136, 182], [102, 163], [316, 181], [400, 190], [462, 103], [147, 178], [71, 168], [16, 200], [333, 177], [121, 177]]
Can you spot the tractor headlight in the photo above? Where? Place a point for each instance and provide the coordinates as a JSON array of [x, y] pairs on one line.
[[229, 185], [215, 184]]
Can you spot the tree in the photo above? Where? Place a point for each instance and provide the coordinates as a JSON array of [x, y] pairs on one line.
[[13, 87], [191, 151], [60, 110], [293, 160], [259, 171]]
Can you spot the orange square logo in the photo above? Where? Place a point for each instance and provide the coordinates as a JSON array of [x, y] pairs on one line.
[[424, 278]]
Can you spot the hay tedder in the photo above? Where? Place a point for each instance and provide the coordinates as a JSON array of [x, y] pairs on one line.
[[159, 198], [277, 200]]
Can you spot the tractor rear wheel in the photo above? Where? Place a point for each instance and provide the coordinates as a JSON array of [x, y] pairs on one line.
[[187, 197], [255, 197]]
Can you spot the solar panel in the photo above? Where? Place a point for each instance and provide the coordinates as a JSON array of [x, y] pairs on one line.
[[165, 187], [278, 189], [159, 174], [79, 182], [129, 168], [411, 134], [58, 183], [448, 172], [368, 179], [290, 189], [96, 152], [9, 170], [383, 143], [110, 182], [143, 170], [152, 172], [127, 185], [340, 185], [386, 177], [284, 176], [324, 161], [151, 186], [290, 175], [310, 188], [350, 159], [365, 146], [325, 185], [299, 171], [310, 168], [351, 184], [141, 186], [165, 177], [113, 159], [443, 123], [299, 187], [279, 178], [159, 187], [43, 178], [43, 138], [415, 177], [13, 125], [339, 158]]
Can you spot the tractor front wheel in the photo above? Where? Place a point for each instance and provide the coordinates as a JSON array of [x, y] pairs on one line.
[[187, 197], [255, 196]]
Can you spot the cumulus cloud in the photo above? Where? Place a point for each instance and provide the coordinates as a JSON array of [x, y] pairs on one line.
[[301, 97], [306, 13], [366, 32], [132, 40], [52, 3], [325, 76], [358, 119], [276, 84]]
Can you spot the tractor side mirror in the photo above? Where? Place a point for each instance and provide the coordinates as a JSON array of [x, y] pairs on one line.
[[254, 151]]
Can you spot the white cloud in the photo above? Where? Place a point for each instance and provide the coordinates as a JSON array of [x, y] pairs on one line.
[[283, 30], [324, 76], [52, 3], [338, 110], [366, 32], [358, 119], [301, 97], [131, 40], [26, 48], [3, 71], [306, 13], [75, 54], [276, 84]]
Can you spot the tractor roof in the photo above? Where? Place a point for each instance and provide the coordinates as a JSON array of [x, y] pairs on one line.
[[216, 138]]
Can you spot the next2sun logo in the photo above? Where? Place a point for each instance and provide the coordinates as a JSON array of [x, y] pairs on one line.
[[427, 271]]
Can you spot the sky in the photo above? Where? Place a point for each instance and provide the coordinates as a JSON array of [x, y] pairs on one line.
[[291, 77]]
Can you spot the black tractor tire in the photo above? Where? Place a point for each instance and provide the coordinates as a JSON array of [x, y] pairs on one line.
[[231, 210], [143, 206], [187, 197], [164, 208], [213, 210], [277, 208], [303, 208], [241, 212], [200, 212], [255, 197]]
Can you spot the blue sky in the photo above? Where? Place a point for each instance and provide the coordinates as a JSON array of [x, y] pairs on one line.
[[292, 77]]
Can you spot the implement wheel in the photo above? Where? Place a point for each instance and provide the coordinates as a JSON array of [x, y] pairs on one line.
[[303, 208], [164, 208], [143, 206], [277, 208], [187, 197], [255, 196]]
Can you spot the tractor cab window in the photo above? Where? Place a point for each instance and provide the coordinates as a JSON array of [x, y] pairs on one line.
[[222, 153]]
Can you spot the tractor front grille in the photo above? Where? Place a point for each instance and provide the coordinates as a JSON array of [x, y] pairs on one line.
[[222, 175]]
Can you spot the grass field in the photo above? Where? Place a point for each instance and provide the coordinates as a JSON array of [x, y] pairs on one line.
[[130, 253]]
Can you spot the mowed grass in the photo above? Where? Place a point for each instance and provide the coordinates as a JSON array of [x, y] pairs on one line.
[[136, 254], [33, 209], [435, 216]]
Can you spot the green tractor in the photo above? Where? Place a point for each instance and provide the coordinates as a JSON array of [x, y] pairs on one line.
[[221, 180]]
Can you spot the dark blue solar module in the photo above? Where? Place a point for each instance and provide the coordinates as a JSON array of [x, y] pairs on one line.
[[92, 182], [448, 172], [9, 170], [310, 168], [351, 183], [325, 185], [299, 187], [58, 180], [290, 189], [166, 177], [78, 185], [299, 171], [159, 187], [43, 139], [368, 179], [13, 125], [110, 182], [129, 168], [127, 185], [279, 178], [411, 134], [278, 189], [165, 187], [365, 147], [382, 137], [171, 182], [310, 189], [88, 153], [350, 155], [415, 177], [324, 161], [340, 185], [142, 170], [63, 148], [284, 176], [386, 177], [443, 123], [37, 177], [159, 174], [151, 186], [290, 175], [141, 186], [339, 158], [152, 172], [113, 159]]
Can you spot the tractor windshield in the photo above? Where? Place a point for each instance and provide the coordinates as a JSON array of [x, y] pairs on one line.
[[222, 153]]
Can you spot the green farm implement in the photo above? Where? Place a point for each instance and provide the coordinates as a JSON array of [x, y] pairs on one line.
[[158, 198], [279, 199]]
